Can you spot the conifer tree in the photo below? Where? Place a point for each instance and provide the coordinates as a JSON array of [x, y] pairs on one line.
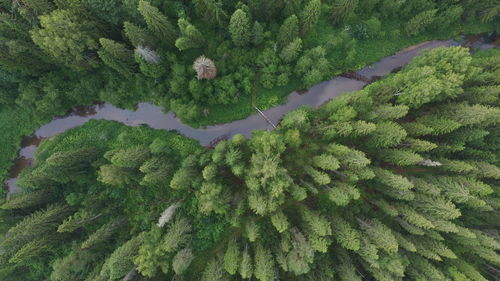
[[121, 260], [239, 27], [291, 51], [158, 23], [211, 11], [28, 199], [182, 260], [30, 10], [190, 37], [264, 264], [137, 36], [246, 266], [232, 257], [289, 30], [258, 33], [310, 15], [342, 10], [116, 56], [68, 39]]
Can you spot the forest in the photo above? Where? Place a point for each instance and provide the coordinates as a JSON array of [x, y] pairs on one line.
[[209, 61], [397, 181]]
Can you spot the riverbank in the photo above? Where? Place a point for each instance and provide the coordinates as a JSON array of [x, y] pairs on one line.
[[153, 117]]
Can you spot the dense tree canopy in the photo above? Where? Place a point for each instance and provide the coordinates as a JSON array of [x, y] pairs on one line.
[[253, 43], [393, 182]]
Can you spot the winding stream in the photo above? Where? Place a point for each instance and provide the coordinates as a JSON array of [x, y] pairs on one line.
[[153, 116]]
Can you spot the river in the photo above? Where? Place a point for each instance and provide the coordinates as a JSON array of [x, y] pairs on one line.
[[153, 116]]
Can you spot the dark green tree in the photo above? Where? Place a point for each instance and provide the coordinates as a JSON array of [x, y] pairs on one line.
[[158, 23]]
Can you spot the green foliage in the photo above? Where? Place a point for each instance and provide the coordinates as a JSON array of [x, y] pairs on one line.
[[182, 260], [239, 27], [310, 15], [28, 199], [291, 51], [393, 182], [121, 260], [68, 38], [313, 66], [75, 266], [289, 30], [158, 23], [232, 257], [190, 37], [342, 10], [420, 22], [116, 56]]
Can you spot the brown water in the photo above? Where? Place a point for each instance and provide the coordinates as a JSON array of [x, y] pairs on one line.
[[153, 116]]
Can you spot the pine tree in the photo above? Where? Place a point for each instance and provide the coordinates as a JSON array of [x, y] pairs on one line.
[[252, 230], [190, 37], [310, 15], [289, 30], [77, 220], [291, 51], [264, 264], [68, 39], [211, 11], [280, 221], [72, 266], [258, 33], [239, 27], [132, 157], [342, 10], [30, 10], [214, 271], [114, 175], [182, 260], [121, 260], [138, 36], [158, 23], [246, 266], [102, 234], [176, 235], [347, 236], [116, 56], [420, 22], [400, 157], [28, 199], [29, 228], [232, 257]]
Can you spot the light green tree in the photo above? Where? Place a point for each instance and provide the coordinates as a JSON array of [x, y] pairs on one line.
[[289, 30], [190, 37], [239, 27], [310, 15], [68, 39]]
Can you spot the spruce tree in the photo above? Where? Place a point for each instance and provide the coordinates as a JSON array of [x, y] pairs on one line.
[[258, 33], [138, 36], [158, 23], [289, 30], [190, 37], [117, 56], [69, 39], [239, 27], [310, 16]]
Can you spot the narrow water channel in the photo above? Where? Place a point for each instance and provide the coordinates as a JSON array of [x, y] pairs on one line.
[[153, 116]]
